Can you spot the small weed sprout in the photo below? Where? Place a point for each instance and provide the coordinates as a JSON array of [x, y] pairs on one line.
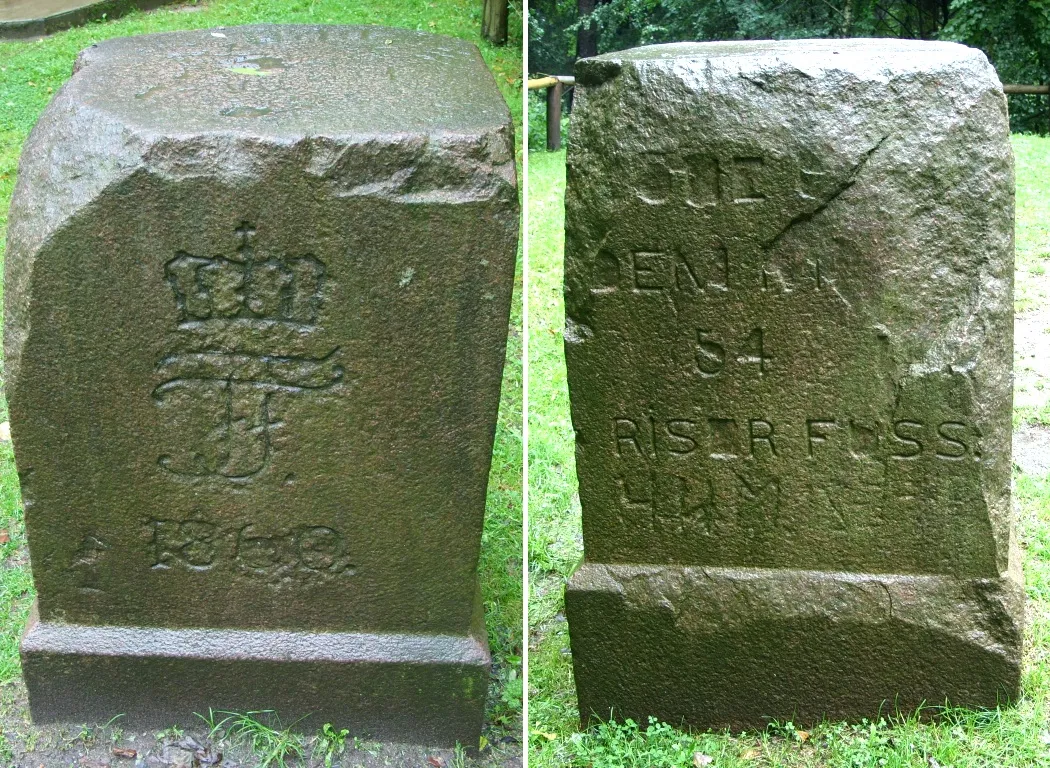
[[366, 746], [89, 733], [216, 729], [330, 743], [270, 744], [174, 733], [459, 757]]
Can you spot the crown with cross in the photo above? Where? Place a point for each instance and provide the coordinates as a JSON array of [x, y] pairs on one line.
[[246, 286]]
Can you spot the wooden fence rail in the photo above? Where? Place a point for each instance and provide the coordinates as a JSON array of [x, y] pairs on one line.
[[554, 85], [1038, 89]]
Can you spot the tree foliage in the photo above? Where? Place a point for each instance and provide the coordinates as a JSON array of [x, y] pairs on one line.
[[1015, 34]]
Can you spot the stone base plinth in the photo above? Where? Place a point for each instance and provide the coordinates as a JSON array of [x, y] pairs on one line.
[[719, 647], [424, 689]]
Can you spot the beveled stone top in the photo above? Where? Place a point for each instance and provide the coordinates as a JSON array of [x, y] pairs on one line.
[[275, 80], [864, 57]]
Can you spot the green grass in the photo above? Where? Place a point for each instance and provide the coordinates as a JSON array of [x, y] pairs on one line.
[[1032, 405], [1014, 737], [269, 740], [31, 72], [1033, 222]]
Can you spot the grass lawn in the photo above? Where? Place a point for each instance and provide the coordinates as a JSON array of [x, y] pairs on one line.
[[1008, 738], [30, 73]]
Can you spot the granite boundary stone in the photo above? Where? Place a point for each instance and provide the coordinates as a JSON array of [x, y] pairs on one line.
[[789, 284], [258, 284]]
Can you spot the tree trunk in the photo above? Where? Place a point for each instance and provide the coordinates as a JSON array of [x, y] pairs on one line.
[[494, 21], [847, 19], [586, 35]]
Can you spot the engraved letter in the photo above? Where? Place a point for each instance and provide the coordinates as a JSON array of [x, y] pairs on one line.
[[710, 354], [653, 178], [725, 438], [746, 171], [912, 447], [761, 431], [816, 432], [651, 271], [682, 268], [681, 432], [321, 549], [956, 448], [627, 500], [864, 440], [703, 180], [754, 351], [192, 543], [626, 431]]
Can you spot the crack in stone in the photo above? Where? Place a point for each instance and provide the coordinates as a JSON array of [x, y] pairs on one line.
[[849, 181]]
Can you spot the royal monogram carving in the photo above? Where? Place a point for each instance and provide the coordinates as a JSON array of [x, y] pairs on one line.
[[246, 287], [230, 392]]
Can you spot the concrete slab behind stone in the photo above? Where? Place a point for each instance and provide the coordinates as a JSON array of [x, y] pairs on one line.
[[21, 19]]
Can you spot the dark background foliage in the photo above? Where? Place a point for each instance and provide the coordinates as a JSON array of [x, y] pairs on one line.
[[1015, 34]]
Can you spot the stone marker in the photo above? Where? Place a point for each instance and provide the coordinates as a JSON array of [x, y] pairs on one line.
[[258, 285], [789, 278]]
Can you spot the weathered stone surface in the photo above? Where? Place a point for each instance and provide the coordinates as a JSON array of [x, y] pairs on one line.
[[789, 275], [257, 292]]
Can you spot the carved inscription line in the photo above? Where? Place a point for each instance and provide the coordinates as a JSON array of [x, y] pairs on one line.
[[679, 504], [306, 551], [702, 179], [677, 272], [729, 438], [680, 274], [650, 270], [711, 353]]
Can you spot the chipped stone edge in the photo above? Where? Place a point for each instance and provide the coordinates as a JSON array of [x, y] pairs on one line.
[[985, 612]]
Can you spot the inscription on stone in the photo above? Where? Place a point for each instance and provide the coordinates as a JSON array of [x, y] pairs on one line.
[[788, 348], [197, 544]]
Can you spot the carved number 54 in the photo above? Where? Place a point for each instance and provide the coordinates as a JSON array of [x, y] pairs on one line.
[[712, 354]]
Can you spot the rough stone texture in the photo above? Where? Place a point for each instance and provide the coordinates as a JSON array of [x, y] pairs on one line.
[[789, 288], [257, 292]]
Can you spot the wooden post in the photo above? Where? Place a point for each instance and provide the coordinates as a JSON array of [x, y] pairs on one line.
[[1033, 89], [494, 21], [554, 117]]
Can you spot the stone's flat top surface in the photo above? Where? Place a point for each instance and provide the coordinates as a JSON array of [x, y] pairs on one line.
[[862, 52], [288, 80]]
